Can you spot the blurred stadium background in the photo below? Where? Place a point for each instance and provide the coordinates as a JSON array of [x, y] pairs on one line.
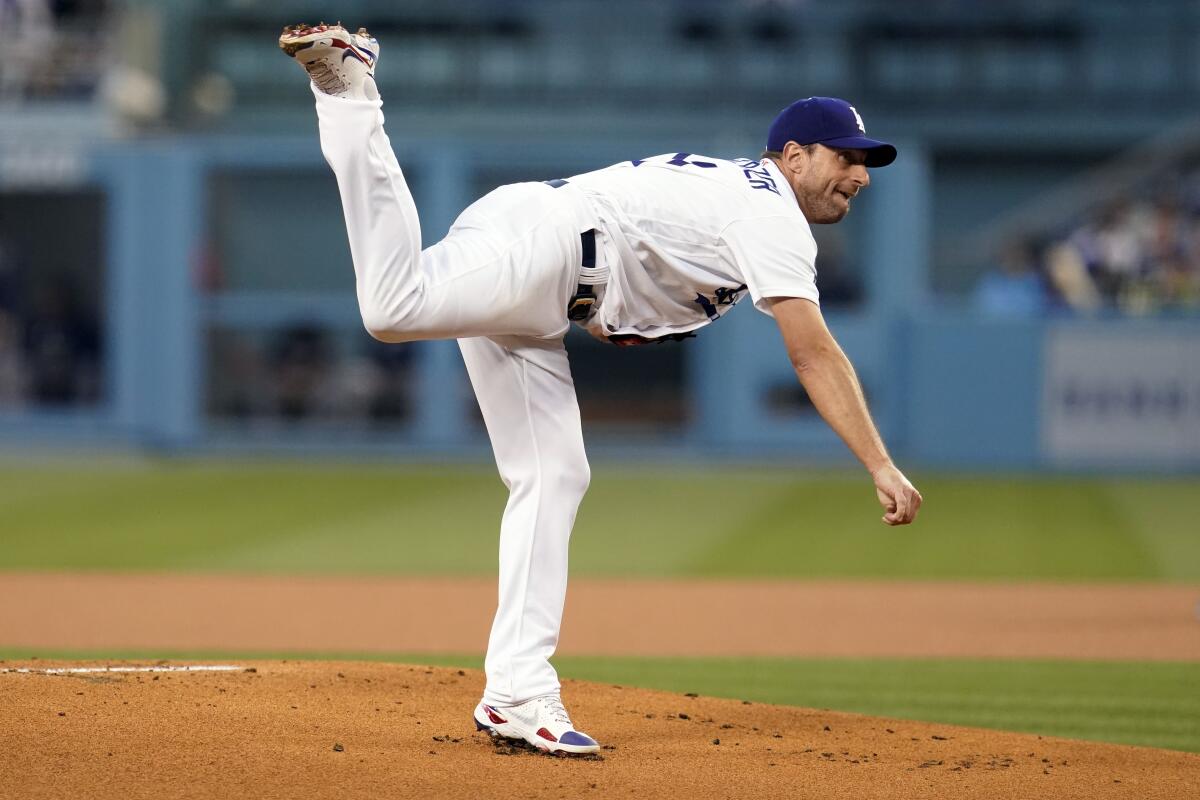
[[1020, 292]]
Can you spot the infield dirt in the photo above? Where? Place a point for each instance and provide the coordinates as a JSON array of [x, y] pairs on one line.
[[339, 730], [689, 618], [406, 731]]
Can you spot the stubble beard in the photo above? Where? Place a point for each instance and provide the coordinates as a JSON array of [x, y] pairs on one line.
[[821, 209]]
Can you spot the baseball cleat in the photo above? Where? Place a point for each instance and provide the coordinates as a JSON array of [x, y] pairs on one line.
[[339, 63], [542, 723]]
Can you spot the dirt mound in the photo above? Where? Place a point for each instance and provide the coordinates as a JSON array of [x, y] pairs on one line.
[[337, 730]]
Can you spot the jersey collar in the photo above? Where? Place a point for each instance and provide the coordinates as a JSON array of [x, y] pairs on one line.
[[785, 188]]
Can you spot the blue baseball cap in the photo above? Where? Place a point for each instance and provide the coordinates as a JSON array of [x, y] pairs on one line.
[[828, 121]]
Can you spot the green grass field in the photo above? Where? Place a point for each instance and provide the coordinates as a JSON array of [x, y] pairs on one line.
[[297, 518], [1156, 705], [384, 519]]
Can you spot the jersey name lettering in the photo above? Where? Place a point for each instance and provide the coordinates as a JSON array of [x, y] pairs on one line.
[[757, 174]]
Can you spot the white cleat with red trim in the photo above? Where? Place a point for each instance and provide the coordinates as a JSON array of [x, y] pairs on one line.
[[340, 63], [542, 723]]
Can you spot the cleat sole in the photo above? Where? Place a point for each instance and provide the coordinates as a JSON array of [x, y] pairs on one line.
[[521, 743]]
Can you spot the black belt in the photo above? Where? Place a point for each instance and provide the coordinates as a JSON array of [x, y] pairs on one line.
[[585, 293]]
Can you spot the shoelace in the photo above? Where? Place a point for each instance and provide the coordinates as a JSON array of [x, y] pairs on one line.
[[325, 78], [556, 710]]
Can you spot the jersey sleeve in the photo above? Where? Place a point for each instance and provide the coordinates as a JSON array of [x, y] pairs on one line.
[[776, 257]]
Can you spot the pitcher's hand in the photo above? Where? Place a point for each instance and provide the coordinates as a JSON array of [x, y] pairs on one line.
[[899, 498]]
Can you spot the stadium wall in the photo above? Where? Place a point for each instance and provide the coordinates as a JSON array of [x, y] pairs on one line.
[[949, 389]]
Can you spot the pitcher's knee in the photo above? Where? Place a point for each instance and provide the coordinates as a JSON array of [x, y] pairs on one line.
[[393, 317], [382, 327], [383, 330], [569, 479], [564, 480], [581, 478], [392, 324]]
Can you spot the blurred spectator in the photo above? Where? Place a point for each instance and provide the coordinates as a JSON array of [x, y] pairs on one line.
[[28, 32], [1175, 252], [51, 47], [308, 372], [12, 363], [1015, 287], [51, 338], [238, 382], [393, 366], [1135, 256], [61, 345], [1113, 248], [1068, 273], [50, 347], [301, 368]]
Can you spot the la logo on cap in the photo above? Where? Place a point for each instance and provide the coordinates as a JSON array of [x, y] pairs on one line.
[[858, 119], [830, 121]]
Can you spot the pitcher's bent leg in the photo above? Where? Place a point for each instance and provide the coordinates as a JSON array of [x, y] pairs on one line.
[[528, 401], [381, 217]]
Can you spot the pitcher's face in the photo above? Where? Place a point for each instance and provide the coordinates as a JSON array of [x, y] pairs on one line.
[[825, 179]]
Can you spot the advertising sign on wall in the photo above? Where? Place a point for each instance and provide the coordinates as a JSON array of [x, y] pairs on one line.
[[1122, 395]]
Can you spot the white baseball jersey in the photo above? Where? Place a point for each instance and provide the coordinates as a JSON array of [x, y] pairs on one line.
[[683, 238], [685, 235]]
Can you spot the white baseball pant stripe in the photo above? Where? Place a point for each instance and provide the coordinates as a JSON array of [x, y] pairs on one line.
[[499, 282]]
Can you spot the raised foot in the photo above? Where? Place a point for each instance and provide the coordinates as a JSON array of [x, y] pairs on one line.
[[338, 62], [301, 36]]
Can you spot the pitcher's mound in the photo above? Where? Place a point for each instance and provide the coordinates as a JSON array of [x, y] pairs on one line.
[[325, 729]]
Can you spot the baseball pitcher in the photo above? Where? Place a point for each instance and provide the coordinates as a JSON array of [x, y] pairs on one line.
[[644, 250]]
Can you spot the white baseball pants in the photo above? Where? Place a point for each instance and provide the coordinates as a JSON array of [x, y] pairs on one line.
[[499, 282]]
